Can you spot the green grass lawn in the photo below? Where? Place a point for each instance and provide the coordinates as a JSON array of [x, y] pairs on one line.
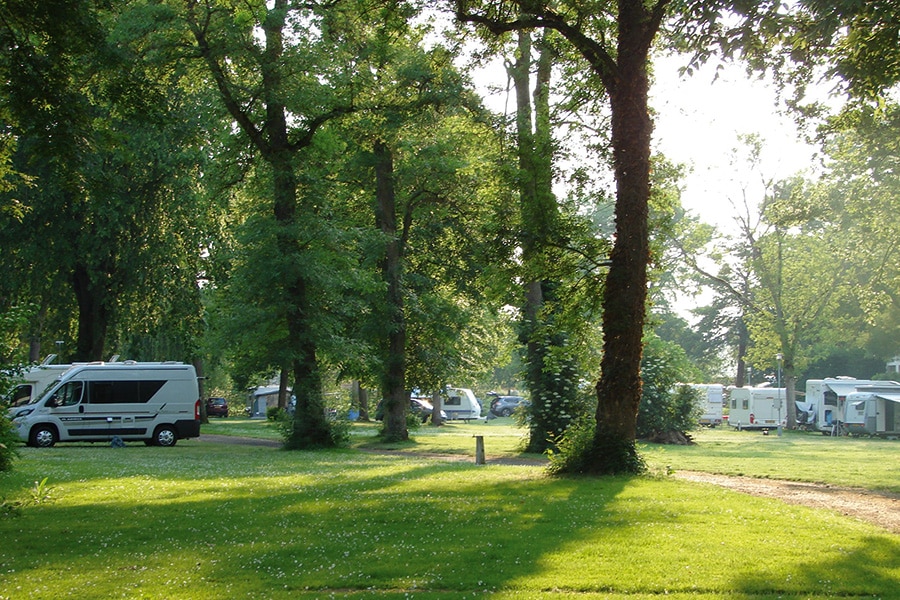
[[214, 521]]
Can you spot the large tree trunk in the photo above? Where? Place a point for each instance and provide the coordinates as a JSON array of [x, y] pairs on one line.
[[625, 293], [623, 71], [551, 388], [393, 386], [93, 316]]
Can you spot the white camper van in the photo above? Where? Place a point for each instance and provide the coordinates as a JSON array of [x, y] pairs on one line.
[[756, 408], [873, 410], [828, 399], [158, 403], [461, 403], [709, 400], [35, 380]]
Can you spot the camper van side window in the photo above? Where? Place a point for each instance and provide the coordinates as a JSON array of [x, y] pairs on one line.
[[745, 404], [148, 390], [69, 394], [123, 392]]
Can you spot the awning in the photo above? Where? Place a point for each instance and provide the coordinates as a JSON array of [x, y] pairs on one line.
[[889, 397], [842, 388]]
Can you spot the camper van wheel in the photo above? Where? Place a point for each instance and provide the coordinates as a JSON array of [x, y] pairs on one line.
[[165, 436], [43, 436]]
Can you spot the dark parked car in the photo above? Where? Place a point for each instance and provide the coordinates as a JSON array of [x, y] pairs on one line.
[[504, 406], [216, 407], [417, 406]]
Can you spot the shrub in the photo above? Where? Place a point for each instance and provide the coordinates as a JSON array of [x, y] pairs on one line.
[[273, 413], [665, 413], [298, 435], [581, 452], [9, 442]]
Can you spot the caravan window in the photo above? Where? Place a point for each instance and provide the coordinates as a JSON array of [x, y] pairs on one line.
[[122, 392], [453, 401], [20, 396], [69, 394], [831, 398], [745, 404]]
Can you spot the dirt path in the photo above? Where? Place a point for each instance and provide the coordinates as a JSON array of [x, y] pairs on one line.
[[881, 509]]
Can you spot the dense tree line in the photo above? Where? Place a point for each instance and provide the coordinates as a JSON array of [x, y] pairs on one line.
[[315, 189]]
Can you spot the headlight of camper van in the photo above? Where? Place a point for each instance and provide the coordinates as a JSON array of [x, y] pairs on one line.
[[23, 413]]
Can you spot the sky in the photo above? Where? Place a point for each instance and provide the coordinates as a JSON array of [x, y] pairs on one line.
[[698, 124]]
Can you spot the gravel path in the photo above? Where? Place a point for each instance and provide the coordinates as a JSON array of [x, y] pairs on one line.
[[879, 508]]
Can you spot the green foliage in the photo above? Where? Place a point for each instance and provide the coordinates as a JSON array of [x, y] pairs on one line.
[[665, 406], [298, 433], [14, 323], [572, 453], [40, 493], [581, 451], [9, 442]]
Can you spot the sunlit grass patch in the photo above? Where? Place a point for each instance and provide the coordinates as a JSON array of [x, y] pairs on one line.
[[796, 456], [214, 521]]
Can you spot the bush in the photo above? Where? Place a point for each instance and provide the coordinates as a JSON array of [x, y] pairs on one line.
[[299, 435], [9, 442], [666, 414], [581, 452]]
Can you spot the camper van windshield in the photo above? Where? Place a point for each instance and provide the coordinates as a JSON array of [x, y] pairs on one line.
[[18, 396]]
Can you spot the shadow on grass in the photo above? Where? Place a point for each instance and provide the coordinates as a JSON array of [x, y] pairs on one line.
[[225, 522]]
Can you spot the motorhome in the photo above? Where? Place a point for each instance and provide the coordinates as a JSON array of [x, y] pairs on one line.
[[828, 399], [34, 381], [461, 404], [709, 399], [158, 403], [756, 408], [873, 410]]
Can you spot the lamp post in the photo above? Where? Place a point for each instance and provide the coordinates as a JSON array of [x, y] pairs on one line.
[[779, 358]]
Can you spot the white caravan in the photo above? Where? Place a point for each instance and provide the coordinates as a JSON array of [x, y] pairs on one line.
[[36, 380], [828, 399], [709, 399], [158, 403], [33, 383], [873, 410], [461, 403], [756, 408]]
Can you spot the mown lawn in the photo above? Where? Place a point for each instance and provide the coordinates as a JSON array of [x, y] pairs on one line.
[[796, 455], [206, 520]]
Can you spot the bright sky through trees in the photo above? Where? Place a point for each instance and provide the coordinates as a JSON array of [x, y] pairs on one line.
[[698, 124]]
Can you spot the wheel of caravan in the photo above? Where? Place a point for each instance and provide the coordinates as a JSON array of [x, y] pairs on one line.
[[165, 436], [43, 436]]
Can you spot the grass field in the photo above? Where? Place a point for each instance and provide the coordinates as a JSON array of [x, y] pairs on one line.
[[796, 456], [218, 521]]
